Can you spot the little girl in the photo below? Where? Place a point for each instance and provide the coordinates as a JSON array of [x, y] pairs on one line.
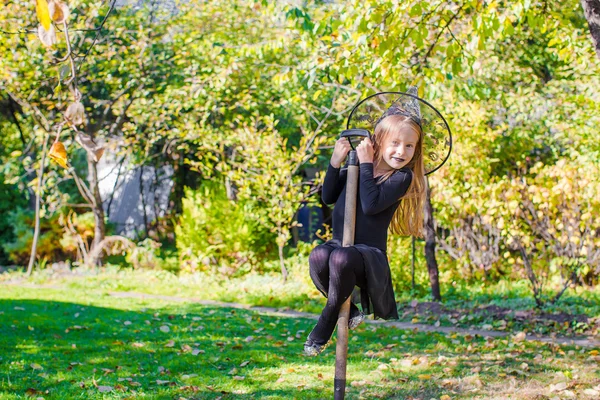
[[391, 193]]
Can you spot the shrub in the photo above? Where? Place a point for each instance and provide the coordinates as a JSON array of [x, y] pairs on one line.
[[215, 233], [11, 198], [49, 247]]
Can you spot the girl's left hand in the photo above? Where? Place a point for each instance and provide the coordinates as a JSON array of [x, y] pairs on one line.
[[365, 151]]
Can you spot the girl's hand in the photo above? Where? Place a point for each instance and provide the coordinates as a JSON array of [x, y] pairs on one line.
[[365, 151], [340, 151]]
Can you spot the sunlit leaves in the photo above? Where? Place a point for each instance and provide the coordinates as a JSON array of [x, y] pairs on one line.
[[48, 11], [58, 154], [43, 14]]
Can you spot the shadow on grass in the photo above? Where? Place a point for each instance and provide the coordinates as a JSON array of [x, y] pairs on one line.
[[63, 350]]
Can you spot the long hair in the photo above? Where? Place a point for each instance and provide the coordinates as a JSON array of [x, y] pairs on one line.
[[408, 218]]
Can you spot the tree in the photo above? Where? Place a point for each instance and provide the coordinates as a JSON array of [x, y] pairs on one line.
[[591, 9]]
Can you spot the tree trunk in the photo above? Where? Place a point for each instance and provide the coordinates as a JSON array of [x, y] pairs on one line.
[[100, 226], [432, 266], [284, 272], [38, 195], [591, 9]]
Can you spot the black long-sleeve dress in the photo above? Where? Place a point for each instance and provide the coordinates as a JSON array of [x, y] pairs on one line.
[[374, 210]]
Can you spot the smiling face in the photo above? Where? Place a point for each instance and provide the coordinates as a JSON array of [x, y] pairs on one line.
[[397, 143], [399, 148]]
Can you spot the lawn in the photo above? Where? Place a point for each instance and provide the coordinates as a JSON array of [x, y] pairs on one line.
[[503, 306], [71, 343]]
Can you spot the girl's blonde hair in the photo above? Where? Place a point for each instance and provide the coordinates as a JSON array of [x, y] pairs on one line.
[[408, 218]]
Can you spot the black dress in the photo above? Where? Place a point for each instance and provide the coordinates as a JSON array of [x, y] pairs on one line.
[[374, 211]]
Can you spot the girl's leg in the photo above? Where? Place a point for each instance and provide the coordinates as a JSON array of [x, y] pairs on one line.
[[319, 272], [318, 262], [346, 269]]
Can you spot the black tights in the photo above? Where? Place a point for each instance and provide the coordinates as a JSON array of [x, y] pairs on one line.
[[335, 272]]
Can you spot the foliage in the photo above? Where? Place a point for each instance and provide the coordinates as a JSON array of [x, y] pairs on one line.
[[145, 255], [552, 224], [220, 235], [10, 200], [264, 171], [49, 246], [254, 97]]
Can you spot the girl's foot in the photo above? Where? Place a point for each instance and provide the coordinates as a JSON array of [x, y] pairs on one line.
[[356, 317], [356, 320], [312, 348]]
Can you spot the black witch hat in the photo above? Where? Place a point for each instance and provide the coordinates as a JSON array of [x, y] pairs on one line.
[[437, 139]]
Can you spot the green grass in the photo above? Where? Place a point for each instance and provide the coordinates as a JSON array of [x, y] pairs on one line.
[[463, 302], [75, 343]]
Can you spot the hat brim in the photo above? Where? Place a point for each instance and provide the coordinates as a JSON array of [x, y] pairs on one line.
[[437, 137]]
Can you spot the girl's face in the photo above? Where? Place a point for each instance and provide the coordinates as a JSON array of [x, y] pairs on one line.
[[398, 148]]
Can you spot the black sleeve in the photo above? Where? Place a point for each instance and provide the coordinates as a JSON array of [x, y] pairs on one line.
[[334, 182], [375, 198]]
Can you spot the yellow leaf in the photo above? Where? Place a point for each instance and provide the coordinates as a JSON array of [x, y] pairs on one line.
[[445, 397], [58, 154], [36, 366], [425, 377], [43, 13], [594, 352]]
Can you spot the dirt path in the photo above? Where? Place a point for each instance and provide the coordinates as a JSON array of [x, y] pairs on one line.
[[576, 341]]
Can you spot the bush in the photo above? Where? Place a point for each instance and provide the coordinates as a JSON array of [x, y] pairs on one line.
[[215, 233], [10, 199], [49, 247]]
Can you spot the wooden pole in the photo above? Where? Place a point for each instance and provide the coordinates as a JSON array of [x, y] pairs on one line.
[[341, 349]]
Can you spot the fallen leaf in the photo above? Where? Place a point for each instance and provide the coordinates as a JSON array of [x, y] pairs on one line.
[[244, 363], [164, 328], [519, 337], [186, 348], [171, 343], [558, 387], [105, 389], [239, 378], [36, 366]]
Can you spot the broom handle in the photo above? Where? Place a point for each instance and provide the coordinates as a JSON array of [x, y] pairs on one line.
[[341, 350]]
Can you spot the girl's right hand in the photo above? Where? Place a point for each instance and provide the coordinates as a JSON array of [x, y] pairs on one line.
[[340, 151]]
